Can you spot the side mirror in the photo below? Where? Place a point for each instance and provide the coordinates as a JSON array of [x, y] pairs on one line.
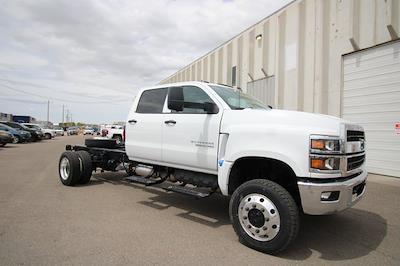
[[175, 99], [210, 108]]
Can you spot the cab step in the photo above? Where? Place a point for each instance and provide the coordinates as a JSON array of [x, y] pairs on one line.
[[143, 180], [195, 192]]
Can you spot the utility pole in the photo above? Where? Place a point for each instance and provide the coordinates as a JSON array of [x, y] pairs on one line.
[[48, 110], [63, 113]]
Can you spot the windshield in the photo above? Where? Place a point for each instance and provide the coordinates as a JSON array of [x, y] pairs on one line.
[[238, 100]]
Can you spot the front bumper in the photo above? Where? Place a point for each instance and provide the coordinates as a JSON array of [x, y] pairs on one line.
[[350, 192]]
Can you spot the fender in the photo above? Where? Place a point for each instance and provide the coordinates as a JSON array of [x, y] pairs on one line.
[[225, 168]]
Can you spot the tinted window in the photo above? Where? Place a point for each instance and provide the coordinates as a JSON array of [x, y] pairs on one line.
[[195, 95], [152, 101]]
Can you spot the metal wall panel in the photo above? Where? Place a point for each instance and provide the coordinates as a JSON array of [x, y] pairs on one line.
[[371, 98], [263, 90], [302, 46]]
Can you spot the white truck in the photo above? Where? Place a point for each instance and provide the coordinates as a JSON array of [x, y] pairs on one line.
[[200, 138], [113, 132]]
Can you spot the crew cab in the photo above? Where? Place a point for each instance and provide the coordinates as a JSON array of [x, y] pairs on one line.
[[200, 138]]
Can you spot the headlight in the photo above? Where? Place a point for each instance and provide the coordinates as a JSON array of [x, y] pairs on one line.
[[325, 163], [325, 144]]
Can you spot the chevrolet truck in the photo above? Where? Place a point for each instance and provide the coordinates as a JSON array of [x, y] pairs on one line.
[[199, 138]]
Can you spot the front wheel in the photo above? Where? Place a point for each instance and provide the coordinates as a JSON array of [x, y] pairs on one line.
[[16, 140], [264, 215]]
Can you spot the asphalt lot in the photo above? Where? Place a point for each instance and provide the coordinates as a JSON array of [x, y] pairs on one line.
[[109, 222]]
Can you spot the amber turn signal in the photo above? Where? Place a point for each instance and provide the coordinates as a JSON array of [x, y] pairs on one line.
[[318, 144], [318, 163]]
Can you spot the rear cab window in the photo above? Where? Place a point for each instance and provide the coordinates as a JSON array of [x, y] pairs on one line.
[[152, 101]]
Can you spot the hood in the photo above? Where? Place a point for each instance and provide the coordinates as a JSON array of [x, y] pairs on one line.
[[307, 122]]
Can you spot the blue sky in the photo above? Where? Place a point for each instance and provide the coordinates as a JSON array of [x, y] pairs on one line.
[[92, 56]]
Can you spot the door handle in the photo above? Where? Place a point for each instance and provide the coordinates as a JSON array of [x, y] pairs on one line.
[[170, 122], [132, 121]]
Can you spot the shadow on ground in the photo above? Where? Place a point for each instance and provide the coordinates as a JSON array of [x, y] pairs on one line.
[[347, 235]]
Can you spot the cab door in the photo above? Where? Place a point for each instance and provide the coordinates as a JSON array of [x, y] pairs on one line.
[[190, 136], [144, 127]]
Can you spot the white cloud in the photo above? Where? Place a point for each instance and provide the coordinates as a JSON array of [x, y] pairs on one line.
[[104, 50]]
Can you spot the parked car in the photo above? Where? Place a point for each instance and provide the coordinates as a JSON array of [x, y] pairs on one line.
[[5, 137], [274, 164], [36, 134], [58, 130], [47, 132], [19, 136], [72, 131], [88, 131]]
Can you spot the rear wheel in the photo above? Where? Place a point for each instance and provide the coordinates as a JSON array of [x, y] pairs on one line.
[[69, 168], [87, 167], [264, 215], [47, 136]]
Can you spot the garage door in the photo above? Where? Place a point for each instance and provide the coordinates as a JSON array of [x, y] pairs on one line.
[[371, 97]]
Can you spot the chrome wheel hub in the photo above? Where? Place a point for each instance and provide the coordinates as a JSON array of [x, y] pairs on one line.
[[65, 168], [259, 217]]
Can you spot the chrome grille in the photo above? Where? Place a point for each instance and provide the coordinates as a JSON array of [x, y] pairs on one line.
[[355, 162], [355, 135]]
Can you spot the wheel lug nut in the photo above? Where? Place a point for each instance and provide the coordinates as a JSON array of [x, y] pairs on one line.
[[247, 209], [262, 210], [265, 228]]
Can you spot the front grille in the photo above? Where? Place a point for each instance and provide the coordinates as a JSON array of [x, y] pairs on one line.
[[355, 135], [355, 162]]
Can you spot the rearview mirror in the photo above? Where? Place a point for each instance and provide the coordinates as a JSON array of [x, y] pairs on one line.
[[175, 99], [210, 108]]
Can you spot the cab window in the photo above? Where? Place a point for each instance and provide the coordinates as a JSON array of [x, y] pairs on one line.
[[194, 94], [152, 101]]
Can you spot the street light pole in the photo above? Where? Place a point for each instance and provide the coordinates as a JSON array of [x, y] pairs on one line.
[[48, 110]]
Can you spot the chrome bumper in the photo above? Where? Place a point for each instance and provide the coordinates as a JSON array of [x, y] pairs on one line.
[[312, 203]]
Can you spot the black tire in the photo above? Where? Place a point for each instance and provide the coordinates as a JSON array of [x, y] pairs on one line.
[[71, 177], [47, 136], [101, 143], [286, 208], [16, 140], [118, 139], [87, 167], [2, 144]]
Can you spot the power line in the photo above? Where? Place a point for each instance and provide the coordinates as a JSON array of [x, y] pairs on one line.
[[60, 99], [21, 100], [62, 91]]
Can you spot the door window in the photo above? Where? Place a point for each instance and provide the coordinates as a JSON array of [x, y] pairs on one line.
[[194, 94], [152, 101]]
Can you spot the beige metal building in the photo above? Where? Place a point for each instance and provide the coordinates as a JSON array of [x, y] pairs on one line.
[[337, 57]]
